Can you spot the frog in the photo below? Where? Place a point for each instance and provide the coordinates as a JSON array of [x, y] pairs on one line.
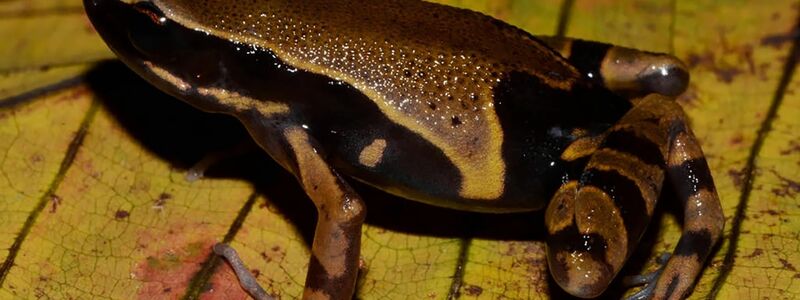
[[444, 106]]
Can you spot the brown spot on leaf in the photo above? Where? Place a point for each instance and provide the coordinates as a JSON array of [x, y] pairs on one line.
[[780, 39], [694, 59], [531, 259], [787, 187], [737, 139], [726, 62], [787, 265], [37, 158], [161, 200], [794, 147], [473, 290], [121, 214], [727, 74], [756, 252], [737, 176]]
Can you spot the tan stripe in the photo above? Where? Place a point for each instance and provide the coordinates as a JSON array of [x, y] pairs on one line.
[[372, 154], [699, 210], [560, 211], [581, 147], [681, 268], [632, 168], [596, 212], [682, 151], [225, 97], [165, 75]]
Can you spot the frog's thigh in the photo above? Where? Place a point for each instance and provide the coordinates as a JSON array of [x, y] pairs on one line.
[[625, 71]]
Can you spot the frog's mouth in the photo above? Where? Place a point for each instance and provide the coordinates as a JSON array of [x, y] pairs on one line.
[[153, 46], [132, 31]]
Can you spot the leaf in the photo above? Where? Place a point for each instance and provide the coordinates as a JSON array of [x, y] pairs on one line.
[[93, 201]]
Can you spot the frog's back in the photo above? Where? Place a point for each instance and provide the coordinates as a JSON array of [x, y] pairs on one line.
[[432, 69]]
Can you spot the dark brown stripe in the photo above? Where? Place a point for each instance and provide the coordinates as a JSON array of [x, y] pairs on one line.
[[627, 141], [673, 285], [319, 280], [587, 57], [571, 240], [628, 198], [691, 177], [696, 243], [342, 286]]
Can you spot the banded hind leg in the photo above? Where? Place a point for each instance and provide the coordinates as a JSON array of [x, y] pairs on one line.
[[625, 71], [595, 222]]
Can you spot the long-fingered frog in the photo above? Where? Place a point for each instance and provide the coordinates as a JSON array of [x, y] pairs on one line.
[[440, 105]]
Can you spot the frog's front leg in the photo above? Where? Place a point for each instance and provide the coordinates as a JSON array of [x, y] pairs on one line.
[[595, 222], [625, 71], [333, 265]]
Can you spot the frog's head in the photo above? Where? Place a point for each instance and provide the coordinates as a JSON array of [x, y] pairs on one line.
[[168, 55]]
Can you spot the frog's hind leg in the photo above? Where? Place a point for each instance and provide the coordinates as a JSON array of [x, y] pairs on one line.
[[625, 71], [595, 222]]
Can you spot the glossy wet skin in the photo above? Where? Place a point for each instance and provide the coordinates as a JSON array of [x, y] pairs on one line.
[[434, 104]]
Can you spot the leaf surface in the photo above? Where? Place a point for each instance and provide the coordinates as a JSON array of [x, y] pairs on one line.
[[94, 204]]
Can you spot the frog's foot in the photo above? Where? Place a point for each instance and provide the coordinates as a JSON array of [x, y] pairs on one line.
[[246, 279], [198, 170], [648, 280]]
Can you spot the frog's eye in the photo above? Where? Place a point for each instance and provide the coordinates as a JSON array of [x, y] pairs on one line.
[[150, 34], [152, 11]]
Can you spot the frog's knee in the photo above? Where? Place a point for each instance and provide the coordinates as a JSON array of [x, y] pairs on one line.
[[586, 244]]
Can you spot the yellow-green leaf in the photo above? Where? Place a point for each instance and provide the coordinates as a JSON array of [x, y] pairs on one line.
[[94, 204]]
